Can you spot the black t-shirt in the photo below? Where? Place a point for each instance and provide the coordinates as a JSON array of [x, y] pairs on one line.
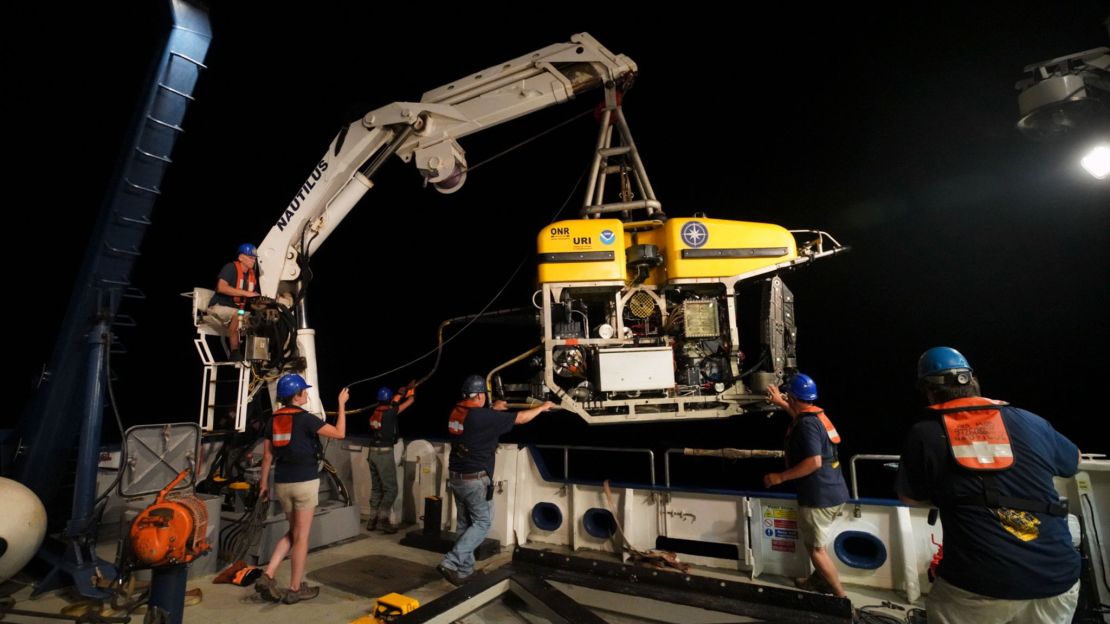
[[825, 487], [476, 449], [980, 555], [387, 435], [297, 461]]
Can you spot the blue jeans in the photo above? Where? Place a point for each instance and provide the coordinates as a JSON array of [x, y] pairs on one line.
[[475, 515]]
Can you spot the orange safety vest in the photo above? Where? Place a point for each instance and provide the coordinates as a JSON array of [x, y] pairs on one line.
[[979, 442], [830, 430], [245, 279], [834, 437], [380, 410], [458, 414], [282, 436], [457, 418], [283, 426], [246, 576], [376, 417], [976, 433]]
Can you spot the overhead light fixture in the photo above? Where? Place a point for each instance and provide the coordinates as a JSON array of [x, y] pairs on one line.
[[1066, 94]]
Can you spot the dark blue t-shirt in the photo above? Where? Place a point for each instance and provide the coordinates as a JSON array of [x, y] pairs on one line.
[[825, 487], [475, 450], [229, 275], [297, 461], [980, 555]]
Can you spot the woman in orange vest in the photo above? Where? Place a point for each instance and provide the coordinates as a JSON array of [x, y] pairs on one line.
[[292, 440]]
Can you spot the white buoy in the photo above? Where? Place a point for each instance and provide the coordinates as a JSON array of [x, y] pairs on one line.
[[22, 527]]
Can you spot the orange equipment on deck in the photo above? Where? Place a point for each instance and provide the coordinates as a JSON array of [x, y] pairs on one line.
[[170, 531]]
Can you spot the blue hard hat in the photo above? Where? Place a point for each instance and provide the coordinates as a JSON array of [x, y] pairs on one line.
[[248, 249], [290, 385], [940, 360], [802, 387], [384, 393], [474, 384]]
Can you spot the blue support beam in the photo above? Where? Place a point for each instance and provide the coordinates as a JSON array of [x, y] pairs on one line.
[[68, 408]]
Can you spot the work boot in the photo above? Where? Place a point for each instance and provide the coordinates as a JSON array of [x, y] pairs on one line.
[[306, 592], [268, 589], [372, 523], [452, 576], [385, 526]]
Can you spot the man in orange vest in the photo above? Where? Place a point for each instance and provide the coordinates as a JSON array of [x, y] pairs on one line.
[[476, 431], [988, 467], [812, 459], [237, 282], [383, 465]]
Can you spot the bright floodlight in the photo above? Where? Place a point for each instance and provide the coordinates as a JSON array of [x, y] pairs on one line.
[[1097, 161]]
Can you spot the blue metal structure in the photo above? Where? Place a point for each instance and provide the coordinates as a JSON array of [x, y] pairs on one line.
[[74, 388]]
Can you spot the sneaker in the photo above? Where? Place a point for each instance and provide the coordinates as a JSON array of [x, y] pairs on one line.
[[306, 592], [385, 526], [452, 576], [268, 589], [371, 524]]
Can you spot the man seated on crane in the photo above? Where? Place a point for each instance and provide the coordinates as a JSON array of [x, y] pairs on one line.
[[237, 282]]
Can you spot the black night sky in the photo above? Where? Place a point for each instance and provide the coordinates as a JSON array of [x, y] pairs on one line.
[[892, 128]]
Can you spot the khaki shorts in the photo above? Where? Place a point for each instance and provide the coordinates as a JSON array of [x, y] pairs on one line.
[[815, 524], [948, 604], [222, 314], [299, 495]]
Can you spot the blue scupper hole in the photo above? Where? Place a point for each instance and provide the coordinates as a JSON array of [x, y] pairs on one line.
[[860, 550], [599, 523], [546, 516]]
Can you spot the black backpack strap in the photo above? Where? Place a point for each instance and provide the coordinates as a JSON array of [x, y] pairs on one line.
[[992, 499]]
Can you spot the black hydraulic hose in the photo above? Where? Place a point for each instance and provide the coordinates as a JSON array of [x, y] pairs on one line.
[[755, 367]]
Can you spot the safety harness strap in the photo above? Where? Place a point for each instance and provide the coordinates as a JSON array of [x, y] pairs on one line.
[[995, 500]]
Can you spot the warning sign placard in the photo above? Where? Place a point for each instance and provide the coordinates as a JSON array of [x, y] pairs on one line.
[[780, 513]]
